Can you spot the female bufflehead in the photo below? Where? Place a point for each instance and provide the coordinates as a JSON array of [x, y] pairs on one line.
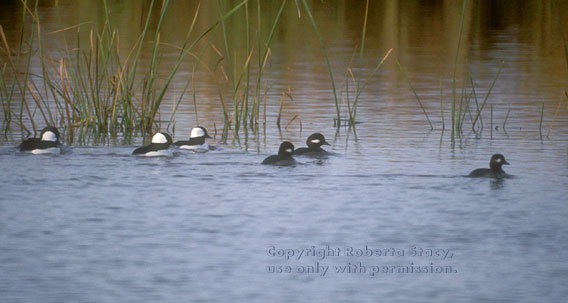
[[314, 142], [47, 143], [495, 170], [160, 146], [196, 140], [284, 156]]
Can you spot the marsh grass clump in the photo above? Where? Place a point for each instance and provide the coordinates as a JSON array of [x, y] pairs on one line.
[[460, 102], [90, 88], [93, 87]]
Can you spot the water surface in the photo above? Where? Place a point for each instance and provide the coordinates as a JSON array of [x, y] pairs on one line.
[[99, 225]]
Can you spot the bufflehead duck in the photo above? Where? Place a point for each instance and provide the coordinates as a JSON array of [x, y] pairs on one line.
[[47, 143], [314, 142], [284, 156], [196, 140], [160, 146], [495, 170]]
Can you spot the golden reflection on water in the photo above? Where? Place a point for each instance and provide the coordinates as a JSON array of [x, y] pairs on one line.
[[526, 36]]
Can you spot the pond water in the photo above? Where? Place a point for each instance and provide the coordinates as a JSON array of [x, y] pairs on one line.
[[99, 225]]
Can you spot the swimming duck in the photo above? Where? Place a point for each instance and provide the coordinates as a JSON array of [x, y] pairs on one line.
[[314, 142], [196, 140], [284, 156], [47, 143], [495, 170], [160, 146]]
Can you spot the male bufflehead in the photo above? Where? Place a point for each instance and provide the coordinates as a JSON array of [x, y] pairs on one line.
[[495, 170], [284, 156], [314, 142], [160, 146], [196, 140], [47, 143]]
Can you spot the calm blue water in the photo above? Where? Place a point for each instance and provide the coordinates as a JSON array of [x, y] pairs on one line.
[[99, 225]]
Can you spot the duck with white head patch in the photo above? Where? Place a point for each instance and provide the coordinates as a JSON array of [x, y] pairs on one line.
[[196, 140], [495, 170], [160, 146], [314, 142], [47, 143], [284, 157]]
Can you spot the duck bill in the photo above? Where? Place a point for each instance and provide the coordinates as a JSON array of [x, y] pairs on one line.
[[325, 143], [207, 136], [506, 163]]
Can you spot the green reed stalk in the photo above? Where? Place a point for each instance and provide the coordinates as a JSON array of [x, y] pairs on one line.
[[176, 104], [226, 41], [183, 52], [541, 119], [320, 38], [246, 92], [465, 111], [38, 104], [256, 100], [240, 99], [491, 122], [16, 81], [455, 69], [97, 88], [506, 118], [379, 65], [476, 106], [187, 48], [47, 82], [148, 97], [415, 94], [194, 97], [442, 106], [132, 71], [23, 26], [238, 113], [126, 79], [353, 112], [22, 89], [488, 93], [65, 95], [227, 58], [459, 112], [262, 59], [6, 100], [28, 62], [225, 114], [555, 115], [561, 28]]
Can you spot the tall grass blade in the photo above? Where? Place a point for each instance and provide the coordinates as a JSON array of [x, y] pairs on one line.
[[541, 119], [361, 51], [320, 38], [415, 94], [464, 5], [265, 54], [488, 93]]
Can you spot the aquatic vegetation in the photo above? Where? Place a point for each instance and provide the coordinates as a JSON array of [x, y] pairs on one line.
[[415, 94], [460, 103], [94, 86], [95, 89]]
